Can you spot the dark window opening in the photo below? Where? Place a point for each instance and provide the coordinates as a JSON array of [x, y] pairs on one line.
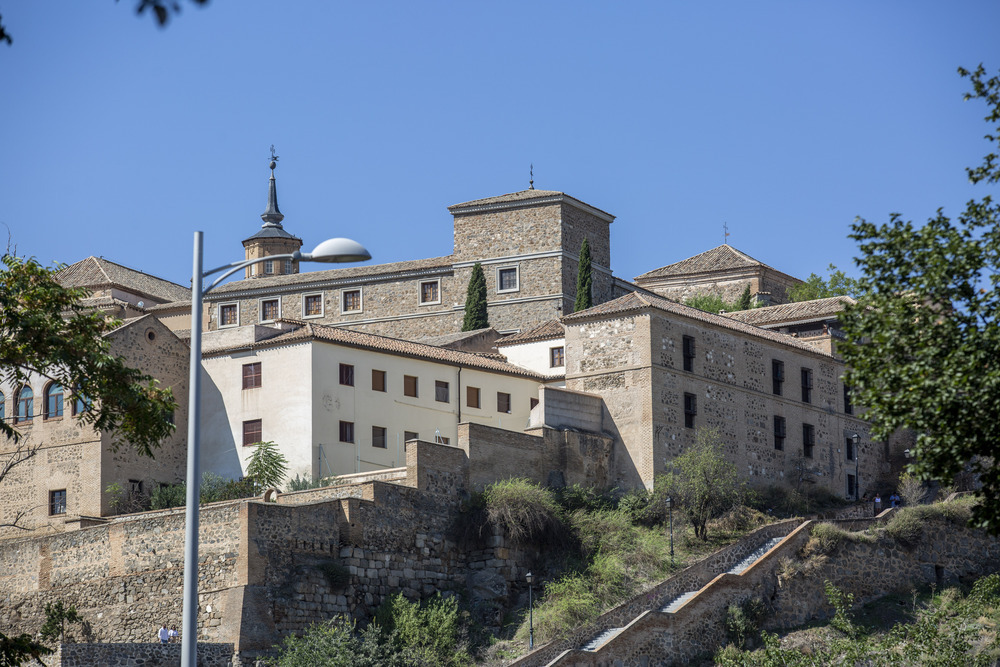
[[777, 376], [347, 375], [347, 431], [251, 376], [690, 410], [779, 433], [688, 351]]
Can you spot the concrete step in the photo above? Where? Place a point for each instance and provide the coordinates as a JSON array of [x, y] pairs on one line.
[[600, 639], [744, 564], [676, 603]]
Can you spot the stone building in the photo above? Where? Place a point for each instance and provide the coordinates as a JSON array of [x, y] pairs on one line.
[[722, 271], [61, 485]]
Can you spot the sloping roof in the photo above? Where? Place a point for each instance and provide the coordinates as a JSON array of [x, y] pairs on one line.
[[544, 331], [272, 232], [345, 274], [100, 273], [721, 258], [407, 348], [792, 312], [635, 302], [449, 339], [552, 196]]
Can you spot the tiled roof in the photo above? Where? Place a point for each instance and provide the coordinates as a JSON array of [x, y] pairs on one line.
[[272, 232], [792, 312], [170, 305], [99, 273], [636, 302], [526, 196], [545, 331], [347, 273], [391, 345], [721, 258]]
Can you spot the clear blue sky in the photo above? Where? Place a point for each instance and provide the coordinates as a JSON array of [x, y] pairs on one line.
[[784, 120]]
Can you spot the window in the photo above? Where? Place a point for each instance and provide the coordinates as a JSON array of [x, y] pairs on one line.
[[53, 401], [347, 375], [779, 433], [251, 432], [229, 315], [378, 437], [688, 352], [472, 397], [410, 386], [350, 301], [441, 391], [57, 502], [81, 403], [25, 405], [288, 266], [849, 447], [251, 376], [690, 410], [848, 408], [777, 376], [503, 402], [430, 292], [270, 310], [507, 280], [852, 486], [410, 435], [808, 440], [268, 266], [557, 357], [378, 380], [312, 305], [807, 385], [347, 431], [440, 439]]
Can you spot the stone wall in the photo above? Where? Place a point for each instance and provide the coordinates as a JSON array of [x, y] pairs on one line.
[[139, 655]]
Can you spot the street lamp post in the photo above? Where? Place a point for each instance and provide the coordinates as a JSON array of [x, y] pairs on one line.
[[331, 250], [531, 621], [670, 510], [856, 439]]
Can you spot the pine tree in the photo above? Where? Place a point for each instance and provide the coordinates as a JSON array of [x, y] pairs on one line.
[[475, 301], [744, 302], [584, 280]]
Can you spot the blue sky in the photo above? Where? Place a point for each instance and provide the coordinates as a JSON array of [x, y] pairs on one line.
[[784, 120]]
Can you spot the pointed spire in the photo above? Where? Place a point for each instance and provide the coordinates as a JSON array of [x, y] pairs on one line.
[[272, 217], [531, 177]]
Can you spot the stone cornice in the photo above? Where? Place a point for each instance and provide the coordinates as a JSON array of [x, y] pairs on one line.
[[328, 283], [532, 203]]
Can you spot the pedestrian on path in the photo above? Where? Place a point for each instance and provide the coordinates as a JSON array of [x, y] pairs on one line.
[[163, 634]]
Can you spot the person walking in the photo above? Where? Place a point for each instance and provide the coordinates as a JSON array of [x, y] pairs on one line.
[[175, 636], [163, 634], [878, 504]]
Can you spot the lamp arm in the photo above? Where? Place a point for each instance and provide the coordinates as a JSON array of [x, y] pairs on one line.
[[236, 266]]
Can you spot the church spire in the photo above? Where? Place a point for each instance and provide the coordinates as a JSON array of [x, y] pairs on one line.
[[272, 217]]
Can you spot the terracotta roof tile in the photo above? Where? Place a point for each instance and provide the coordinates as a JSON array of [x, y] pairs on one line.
[[98, 273], [792, 312], [635, 302], [721, 258], [545, 331]]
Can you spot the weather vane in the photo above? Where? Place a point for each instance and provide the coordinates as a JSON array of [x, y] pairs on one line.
[[725, 231], [531, 177]]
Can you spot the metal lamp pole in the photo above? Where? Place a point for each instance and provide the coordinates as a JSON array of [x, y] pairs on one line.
[[670, 510], [331, 250], [856, 439], [531, 621]]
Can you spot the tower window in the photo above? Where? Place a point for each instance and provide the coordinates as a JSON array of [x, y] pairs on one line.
[[807, 385], [690, 410], [777, 376], [688, 352], [430, 292], [268, 267], [507, 280], [808, 440], [288, 266], [779, 433]]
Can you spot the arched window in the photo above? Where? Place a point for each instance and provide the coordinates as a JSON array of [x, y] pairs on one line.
[[24, 410], [53, 401], [81, 403]]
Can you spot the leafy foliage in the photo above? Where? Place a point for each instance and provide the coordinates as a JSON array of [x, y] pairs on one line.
[[56, 617], [304, 483], [584, 280], [21, 650], [714, 303], [334, 644], [44, 330], [476, 316], [743, 621], [429, 633], [168, 495], [925, 340], [126, 501], [817, 287], [704, 483], [267, 466]]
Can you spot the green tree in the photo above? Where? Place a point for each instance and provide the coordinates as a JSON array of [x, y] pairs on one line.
[[584, 280], [267, 466], [710, 303], [744, 302], [20, 650], [428, 632], [816, 287], [925, 341], [57, 616], [703, 483], [475, 301], [335, 644]]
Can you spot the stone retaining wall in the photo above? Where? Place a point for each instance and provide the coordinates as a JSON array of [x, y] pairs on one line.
[[139, 655]]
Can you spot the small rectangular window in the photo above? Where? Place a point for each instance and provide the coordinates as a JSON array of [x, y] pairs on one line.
[[688, 352], [507, 280], [229, 315], [268, 266], [849, 447], [410, 435], [852, 486], [351, 301], [347, 431], [347, 375], [410, 386], [472, 397], [441, 391], [378, 437], [690, 410], [779, 433], [808, 440], [440, 439], [430, 292], [57, 502], [288, 266], [252, 432], [378, 380], [777, 376], [251, 376], [312, 305], [848, 407], [270, 310], [503, 402], [557, 357], [807, 384]]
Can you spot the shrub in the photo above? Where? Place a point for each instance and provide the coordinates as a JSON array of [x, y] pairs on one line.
[[304, 483], [906, 526], [334, 644], [842, 603], [428, 632], [587, 498], [526, 512], [987, 589], [825, 538], [743, 621], [911, 489], [165, 496], [125, 501]]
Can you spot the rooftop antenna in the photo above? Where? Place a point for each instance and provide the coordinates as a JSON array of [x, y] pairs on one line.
[[725, 231], [531, 177]]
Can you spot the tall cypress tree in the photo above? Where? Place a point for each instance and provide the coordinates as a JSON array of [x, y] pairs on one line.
[[584, 281], [475, 301], [744, 303]]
